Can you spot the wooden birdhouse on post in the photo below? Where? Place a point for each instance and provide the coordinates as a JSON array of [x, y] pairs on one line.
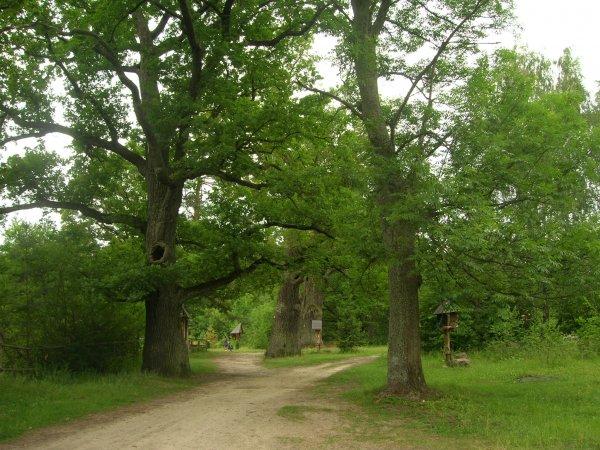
[[317, 327], [447, 315], [237, 332]]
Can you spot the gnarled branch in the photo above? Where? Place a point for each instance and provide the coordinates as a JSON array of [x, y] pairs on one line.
[[290, 32], [43, 128], [352, 108], [208, 287], [125, 219]]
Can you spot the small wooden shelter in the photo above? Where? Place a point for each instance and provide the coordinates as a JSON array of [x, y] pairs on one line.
[[237, 332], [317, 327], [447, 315]]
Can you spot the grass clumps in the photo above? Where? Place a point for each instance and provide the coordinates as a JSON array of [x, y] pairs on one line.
[[298, 413], [512, 403]]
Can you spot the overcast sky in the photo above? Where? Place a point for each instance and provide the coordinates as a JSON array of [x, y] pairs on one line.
[[546, 26], [549, 26]]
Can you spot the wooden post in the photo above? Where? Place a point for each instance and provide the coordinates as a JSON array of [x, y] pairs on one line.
[[318, 339], [447, 347]]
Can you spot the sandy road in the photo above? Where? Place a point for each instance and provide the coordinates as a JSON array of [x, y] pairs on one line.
[[239, 410]]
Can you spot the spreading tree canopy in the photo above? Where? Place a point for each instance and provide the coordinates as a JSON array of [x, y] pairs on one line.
[[154, 96]]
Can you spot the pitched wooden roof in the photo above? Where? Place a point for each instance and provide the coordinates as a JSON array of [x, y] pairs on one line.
[[446, 307], [238, 329]]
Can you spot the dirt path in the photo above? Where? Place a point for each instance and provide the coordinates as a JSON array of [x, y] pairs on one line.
[[238, 411]]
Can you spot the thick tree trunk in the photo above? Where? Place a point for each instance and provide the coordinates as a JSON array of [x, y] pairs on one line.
[[392, 182], [285, 335], [165, 350], [405, 373], [311, 309]]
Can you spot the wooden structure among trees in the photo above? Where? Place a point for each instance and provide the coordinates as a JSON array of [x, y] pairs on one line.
[[317, 327], [447, 315], [237, 332]]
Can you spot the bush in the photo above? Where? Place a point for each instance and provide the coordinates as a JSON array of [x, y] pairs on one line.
[[589, 337], [544, 340], [349, 332], [211, 337], [94, 338], [62, 317]]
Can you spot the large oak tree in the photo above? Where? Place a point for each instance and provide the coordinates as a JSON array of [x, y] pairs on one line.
[[153, 96]]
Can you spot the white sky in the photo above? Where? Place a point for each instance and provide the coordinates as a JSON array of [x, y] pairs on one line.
[[545, 26], [549, 26]]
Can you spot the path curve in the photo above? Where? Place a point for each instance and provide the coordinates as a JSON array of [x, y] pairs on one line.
[[239, 410]]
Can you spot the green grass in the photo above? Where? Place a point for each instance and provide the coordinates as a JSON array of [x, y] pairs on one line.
[[297, 413], [312, 357], [519, 403], [29, 403]]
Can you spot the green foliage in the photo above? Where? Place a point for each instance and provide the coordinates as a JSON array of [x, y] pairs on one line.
[[507, 325], [210, 324], [517, 226], [255, 312], [544, 340], [53, 304], [210, 337], [349, 331], [503, 185], [589, 337]]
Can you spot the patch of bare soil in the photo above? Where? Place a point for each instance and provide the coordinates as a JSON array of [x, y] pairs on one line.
[[239, 410]]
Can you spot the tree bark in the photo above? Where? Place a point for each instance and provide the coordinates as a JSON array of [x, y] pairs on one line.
[[392, 182], [311, 309], [285, 335], [405, 373], [165, 350]]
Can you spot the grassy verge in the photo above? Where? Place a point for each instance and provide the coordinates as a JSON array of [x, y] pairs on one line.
[[522, 403], [312, 356], [28, 403]]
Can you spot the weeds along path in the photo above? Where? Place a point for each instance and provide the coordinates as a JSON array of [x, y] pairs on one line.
[[248, 406]]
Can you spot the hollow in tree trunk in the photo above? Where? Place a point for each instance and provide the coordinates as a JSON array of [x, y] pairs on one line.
[[285, 335], [165, 350]]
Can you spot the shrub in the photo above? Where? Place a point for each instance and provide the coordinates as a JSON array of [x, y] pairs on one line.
[[349, 331], [589, 337], [211, 337], [63, 317]]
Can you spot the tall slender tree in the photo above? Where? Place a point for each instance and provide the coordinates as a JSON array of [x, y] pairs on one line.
[[422, 47]]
